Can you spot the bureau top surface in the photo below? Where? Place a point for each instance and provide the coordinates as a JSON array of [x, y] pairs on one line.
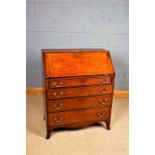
[[76, 62]]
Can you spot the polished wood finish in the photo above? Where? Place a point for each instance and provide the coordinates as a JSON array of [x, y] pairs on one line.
[[77, 116], [37, 91], [78, 87], [77, 63], [79, 91], [69, 82], [78, 103]]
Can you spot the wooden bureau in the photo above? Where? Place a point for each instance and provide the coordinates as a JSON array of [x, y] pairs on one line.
[[78, 87]]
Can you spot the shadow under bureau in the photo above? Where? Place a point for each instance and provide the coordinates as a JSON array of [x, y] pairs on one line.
[[78, 87]]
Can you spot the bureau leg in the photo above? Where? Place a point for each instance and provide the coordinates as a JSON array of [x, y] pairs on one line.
[[108, 125], [48, 134]]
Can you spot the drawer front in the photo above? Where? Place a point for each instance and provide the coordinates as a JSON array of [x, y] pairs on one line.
[[78, 91], [65, 82], [77, 116], [78, 103]]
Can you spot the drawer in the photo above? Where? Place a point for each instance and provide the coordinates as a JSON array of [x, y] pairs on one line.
[[78, 103], [77, 116], [57, 93], [66, 82]]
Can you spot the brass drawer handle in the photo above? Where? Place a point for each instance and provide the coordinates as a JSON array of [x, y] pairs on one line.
[[100, 114], [58, 95], [106, 100], [102, 90], [59, 119], [58, 106], [61, 83], [104, 80], [54, 83], [103, 102], [107, 80]]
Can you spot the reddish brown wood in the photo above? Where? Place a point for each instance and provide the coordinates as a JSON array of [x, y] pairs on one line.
[[108, 124], [78, 103], [78, 91], [78, 88], [76, 125], [79, 125], [77, 116], [77, 63], [68, 82]]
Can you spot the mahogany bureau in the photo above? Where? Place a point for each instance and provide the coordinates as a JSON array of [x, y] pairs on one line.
[[78, 87]]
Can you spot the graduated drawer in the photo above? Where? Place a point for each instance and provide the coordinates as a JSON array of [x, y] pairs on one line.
[[77, 116], [78, 103], [57, 93], [66, 82]]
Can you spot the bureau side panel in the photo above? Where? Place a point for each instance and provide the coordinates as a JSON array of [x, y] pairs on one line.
[[45, 99]]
